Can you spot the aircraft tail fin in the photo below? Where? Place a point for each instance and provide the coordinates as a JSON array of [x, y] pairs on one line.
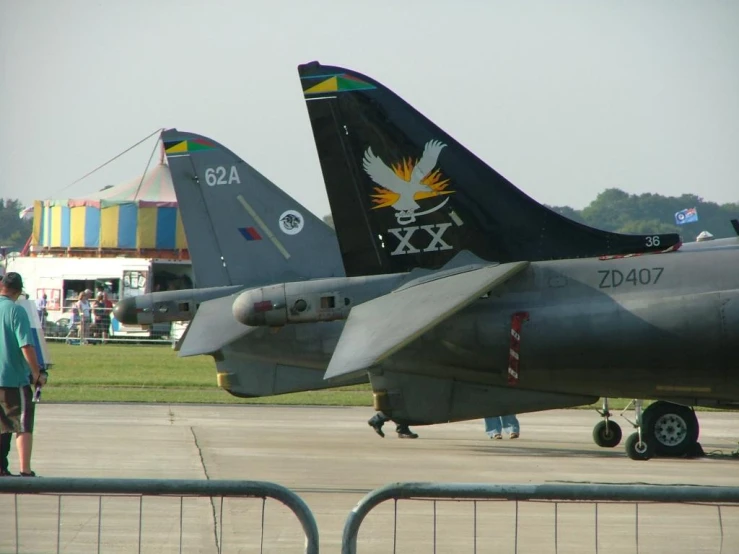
[[405, 194], [241, 229]]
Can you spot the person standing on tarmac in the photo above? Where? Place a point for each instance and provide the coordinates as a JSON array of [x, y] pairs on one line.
[[494, 426], [403, 430], [19, 368]]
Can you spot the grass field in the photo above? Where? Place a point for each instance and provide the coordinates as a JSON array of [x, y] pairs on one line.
[[154, 373], [138, 373]]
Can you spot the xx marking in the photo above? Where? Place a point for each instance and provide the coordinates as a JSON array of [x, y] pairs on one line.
[[435, 234]]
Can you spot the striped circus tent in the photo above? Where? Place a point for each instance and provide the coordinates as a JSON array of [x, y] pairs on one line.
[[136, 215]]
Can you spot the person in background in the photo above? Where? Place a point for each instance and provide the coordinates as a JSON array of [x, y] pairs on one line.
[[74, 324], [41, 309], [84, 309], [403, 430], [108, 313], [494, 426], [19, 369], [101, 311]]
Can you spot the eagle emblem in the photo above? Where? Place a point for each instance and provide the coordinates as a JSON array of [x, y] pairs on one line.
[[403, 184]]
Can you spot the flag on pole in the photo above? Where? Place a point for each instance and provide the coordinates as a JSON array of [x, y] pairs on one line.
[[688, 215], [26, 213]]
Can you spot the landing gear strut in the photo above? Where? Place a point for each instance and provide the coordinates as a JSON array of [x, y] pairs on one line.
[[606, 433], [639, 445]]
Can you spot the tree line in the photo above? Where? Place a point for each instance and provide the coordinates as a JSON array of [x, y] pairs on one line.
[[618, 211], [14, 231]]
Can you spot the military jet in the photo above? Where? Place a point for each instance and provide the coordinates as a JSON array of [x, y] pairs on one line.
[[273, 304], [358, 124]]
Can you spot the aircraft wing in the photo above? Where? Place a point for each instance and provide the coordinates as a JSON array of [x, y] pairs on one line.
[[381, 327], [212, 328]]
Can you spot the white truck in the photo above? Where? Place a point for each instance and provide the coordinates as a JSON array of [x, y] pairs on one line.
[[61, 279]]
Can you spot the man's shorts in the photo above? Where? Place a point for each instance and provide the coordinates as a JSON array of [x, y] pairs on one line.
[[17, 409]]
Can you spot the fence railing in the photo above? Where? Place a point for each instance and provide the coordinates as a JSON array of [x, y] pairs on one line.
[[175, 526], [133, 339], [716, 497], [602, 516]]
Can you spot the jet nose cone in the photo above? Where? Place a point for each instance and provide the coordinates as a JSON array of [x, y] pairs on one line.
[[125, 311]]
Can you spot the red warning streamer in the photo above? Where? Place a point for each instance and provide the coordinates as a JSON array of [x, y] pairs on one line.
[[517, 320]]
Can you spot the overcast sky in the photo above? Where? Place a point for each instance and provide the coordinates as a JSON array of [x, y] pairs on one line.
[[563, 98]]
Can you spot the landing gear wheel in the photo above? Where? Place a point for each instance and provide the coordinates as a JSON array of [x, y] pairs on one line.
[[674, 428], [639, 450], [607, 434]]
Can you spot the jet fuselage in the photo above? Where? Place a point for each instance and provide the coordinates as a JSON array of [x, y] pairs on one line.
[[652, 326]]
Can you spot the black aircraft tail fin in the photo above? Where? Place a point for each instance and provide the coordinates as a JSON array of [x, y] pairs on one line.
[[241, 229], [405, 194]]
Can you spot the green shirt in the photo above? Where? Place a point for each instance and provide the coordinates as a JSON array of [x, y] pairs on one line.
[[15, 332]]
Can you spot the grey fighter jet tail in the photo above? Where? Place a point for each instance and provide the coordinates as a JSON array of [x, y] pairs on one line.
[[405, 194], [241, 229], [242, 232]]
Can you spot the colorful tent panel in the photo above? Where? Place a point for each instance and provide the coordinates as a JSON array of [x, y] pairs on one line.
[[180, 241], [128, 222], [138, 214], [146, 230], [37, 209], [109, 225], [59, 226], [166, 228], [125, 226]]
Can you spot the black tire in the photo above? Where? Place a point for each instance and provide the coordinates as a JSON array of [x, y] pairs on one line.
[[674, 427], [636, 450], [607, 436]]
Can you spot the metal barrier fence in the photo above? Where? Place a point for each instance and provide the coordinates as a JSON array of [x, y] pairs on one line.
[[597, 496], [114, 340], [201, 526], [625, 518]]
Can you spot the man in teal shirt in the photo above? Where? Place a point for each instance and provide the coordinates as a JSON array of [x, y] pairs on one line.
[[19, 369]]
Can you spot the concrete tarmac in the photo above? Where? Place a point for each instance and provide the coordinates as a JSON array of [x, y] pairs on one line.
[[331, 458]]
